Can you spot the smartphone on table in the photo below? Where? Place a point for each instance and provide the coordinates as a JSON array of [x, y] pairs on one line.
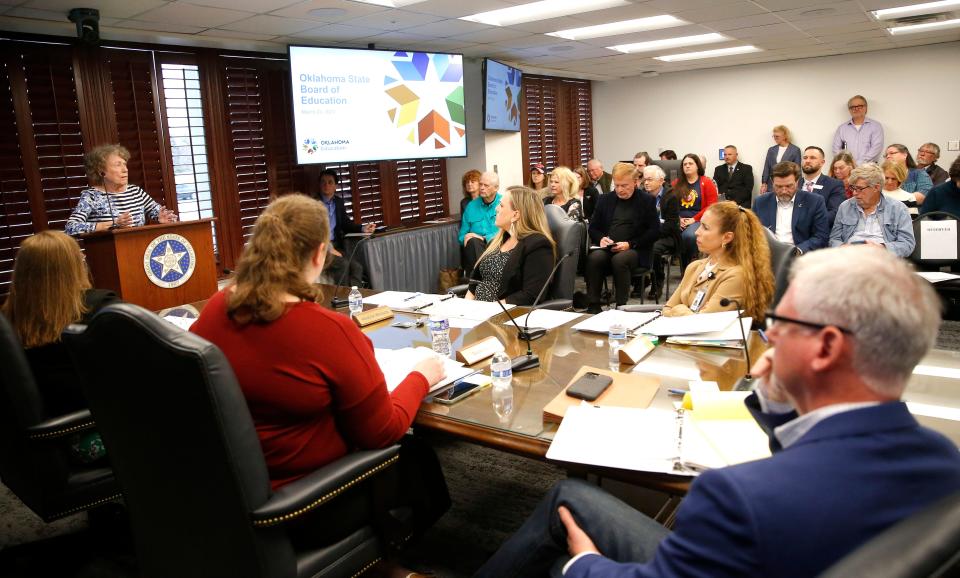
[[589, 386]]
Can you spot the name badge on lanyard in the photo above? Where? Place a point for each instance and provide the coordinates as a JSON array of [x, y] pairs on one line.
[[698, 301]]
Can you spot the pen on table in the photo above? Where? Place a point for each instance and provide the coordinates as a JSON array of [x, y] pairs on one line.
[[425, 305], [763, 335], [414, 296], [676, 391], [450, 296]]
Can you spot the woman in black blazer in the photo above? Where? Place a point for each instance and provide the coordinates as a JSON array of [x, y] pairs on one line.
[[518, 261], [781, 135]]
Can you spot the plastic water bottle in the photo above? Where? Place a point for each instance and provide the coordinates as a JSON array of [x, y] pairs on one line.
[[440, 334], [356, 301], [502, 390], [616, 337]]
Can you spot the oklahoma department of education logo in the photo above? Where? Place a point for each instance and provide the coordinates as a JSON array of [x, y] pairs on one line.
[[169, 261]]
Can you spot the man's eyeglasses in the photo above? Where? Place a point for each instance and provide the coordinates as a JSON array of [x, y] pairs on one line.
[[861, 189], [772, 319], [856, 106], [926, 152]]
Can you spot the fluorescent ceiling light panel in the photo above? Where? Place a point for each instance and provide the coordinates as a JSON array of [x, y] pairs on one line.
[[623, 27], [915, 9], [669, 43], [390, 3], [543, 10], [925, 27], [708, 53]]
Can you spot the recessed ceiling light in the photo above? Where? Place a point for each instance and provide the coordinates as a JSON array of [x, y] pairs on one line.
[[708, 53], [543, 10], [326, 12], [669, 43], [391, 3], [925, 27], [622, 27], [915, 9]]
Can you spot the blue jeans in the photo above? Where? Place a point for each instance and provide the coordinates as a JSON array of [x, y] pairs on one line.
[[539, 547], [688, 244]]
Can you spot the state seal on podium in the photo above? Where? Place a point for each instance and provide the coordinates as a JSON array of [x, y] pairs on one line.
[[169, 261]]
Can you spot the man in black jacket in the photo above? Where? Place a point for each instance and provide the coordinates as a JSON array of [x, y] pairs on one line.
[[340, 225], [668, 210], [734, 179]]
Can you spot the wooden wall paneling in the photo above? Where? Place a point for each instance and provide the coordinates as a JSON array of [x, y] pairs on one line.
[[28, 146], [94, 98]]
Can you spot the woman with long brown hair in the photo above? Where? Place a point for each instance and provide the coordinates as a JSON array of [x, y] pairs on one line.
[[696, 192], [736, 267], [518, 260]]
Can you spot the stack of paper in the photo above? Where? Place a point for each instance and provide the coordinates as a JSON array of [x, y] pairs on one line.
[[545, 318], [471, 309], [601, 322], [730, 337], [396, 364], [405, 300], [691, 324], [937, 276]]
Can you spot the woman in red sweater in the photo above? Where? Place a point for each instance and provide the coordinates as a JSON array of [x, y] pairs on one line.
[[696, 193], [309, 375]]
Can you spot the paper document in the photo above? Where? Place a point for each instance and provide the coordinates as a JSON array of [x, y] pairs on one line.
[[730, 337], [545, 318], [396, 364], [405, 300], [938, 240], [601, 322], [181, 322], [937, 276], [466, 309], [691, 324]]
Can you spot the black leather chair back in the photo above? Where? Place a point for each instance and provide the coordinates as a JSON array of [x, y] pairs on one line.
[[916, 257], [925, 545], [183, 445], [568, 234], [781, 259]]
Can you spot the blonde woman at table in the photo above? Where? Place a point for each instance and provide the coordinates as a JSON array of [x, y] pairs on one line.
[[518, 260], [310, 378], [736, 267]]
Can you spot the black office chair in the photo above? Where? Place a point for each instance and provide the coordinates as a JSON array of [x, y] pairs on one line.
[[931, 264], [781, 259], [925, 545], [33, 458], [189, 462]]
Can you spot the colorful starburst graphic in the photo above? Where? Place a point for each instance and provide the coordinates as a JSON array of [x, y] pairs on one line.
[[421, 118]]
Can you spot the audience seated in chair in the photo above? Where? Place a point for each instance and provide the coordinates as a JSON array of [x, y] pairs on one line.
[[471, 188], [917, 181], [340, 225], [696, 192], [736, 267], [477, 226], [847, 453], [870, 218], [927, 156], [563, 192], [50, 290], [831, 189], [309, 375], [945, 197], [795, 217], [624, 227], [518, 260], [668, 210]]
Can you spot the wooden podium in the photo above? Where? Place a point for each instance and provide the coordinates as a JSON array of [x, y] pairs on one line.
[[148, 265]]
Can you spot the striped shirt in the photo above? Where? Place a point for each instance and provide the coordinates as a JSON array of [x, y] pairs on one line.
[[96, 206]]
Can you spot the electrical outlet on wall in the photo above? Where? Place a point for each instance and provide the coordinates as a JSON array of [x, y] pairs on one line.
[[953, 145]]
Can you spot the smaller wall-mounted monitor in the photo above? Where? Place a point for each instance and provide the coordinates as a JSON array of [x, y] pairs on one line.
[[501, 102]]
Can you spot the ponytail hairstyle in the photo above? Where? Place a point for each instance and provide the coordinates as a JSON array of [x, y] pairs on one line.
[[47, 290], [285, 237], [750, 250]]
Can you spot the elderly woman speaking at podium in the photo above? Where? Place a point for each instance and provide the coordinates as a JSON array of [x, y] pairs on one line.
[[111, 201]]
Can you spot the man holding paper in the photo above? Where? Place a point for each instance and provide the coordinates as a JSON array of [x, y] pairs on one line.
[[849, 460]]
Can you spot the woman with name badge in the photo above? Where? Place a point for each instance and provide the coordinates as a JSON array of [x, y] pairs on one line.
[[736, 267], [110, 201]]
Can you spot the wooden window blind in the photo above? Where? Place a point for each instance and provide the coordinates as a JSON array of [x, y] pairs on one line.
[[366, 187], [138, 127], [557, 121], [16, 220], [420, 189]]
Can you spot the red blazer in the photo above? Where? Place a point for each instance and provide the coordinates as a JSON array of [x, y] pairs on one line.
[[313, 386], [708, 192]]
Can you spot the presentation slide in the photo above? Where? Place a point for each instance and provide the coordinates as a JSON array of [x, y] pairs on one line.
[[502, 102], [359, 105]]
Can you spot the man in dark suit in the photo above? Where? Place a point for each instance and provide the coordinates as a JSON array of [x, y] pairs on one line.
[[653, 180], [340, 225], [734, 179], [832, 190], [795, 217], [847, 453]]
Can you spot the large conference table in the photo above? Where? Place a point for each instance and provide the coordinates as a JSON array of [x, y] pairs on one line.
[[933, 392]]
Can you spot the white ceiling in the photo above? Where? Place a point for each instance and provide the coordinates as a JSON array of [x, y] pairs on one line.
[[784, 29]]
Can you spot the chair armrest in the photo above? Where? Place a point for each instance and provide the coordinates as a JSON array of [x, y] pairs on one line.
[[303, 495], [645, 308], [459, 290], [62, 426], [556, 304]]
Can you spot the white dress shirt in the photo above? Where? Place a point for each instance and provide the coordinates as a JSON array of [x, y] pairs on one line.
[[784, 231]]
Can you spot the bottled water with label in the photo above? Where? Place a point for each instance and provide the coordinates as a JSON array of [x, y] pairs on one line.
[[356, 301], [440, 334], [616, 337], [502, 373]]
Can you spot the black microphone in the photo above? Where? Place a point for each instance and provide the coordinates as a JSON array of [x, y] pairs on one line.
[[338, 302], [746, 382], [528, 360], [538, 332], [113, 221]]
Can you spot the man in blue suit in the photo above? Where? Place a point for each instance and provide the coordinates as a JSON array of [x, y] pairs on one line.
[[795, 217], [832, 190], [849, 459]]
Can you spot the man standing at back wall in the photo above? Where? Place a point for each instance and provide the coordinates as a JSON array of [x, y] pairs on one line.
[[477, 226], [862, 137], [734, 179]]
